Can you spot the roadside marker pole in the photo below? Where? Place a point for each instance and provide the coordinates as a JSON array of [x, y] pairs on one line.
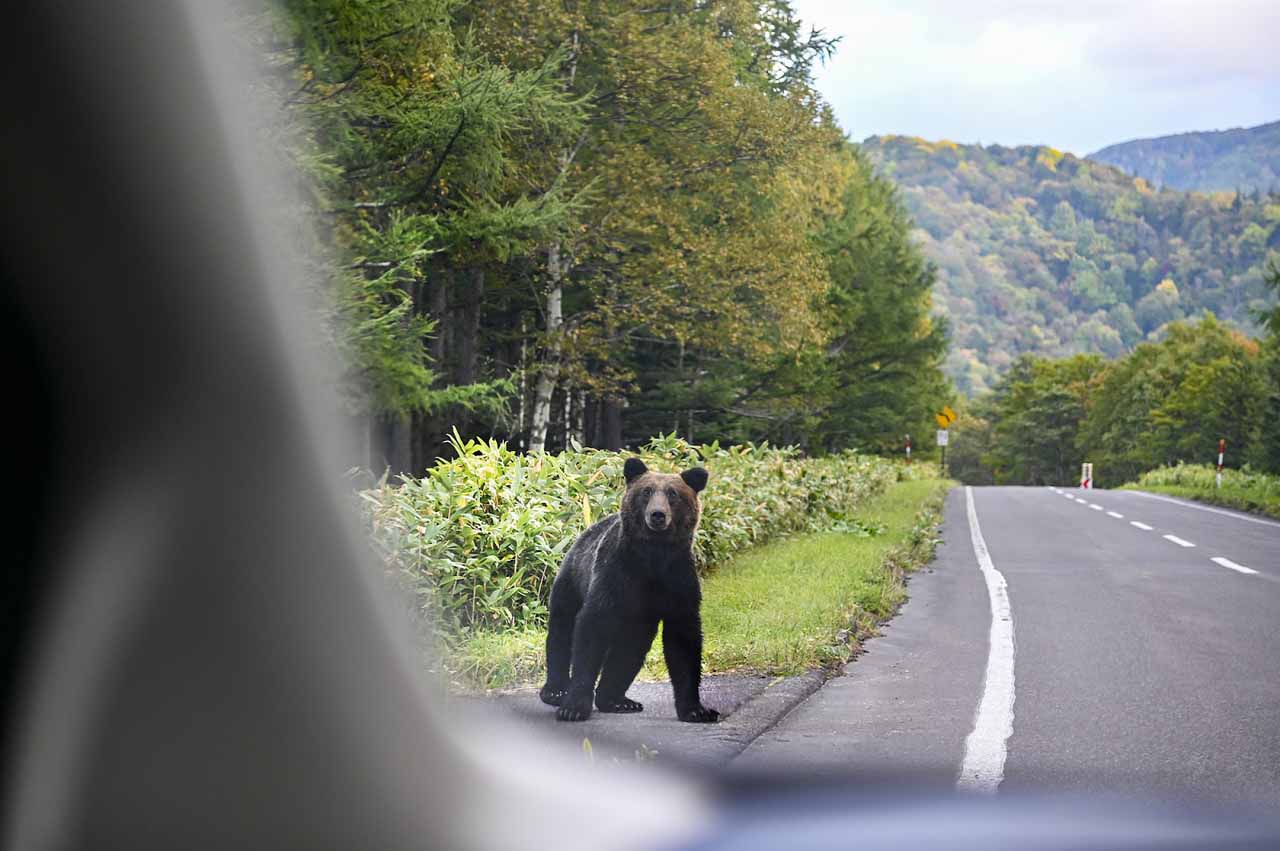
[[908, 449], [1222, 448], [1086, 476]]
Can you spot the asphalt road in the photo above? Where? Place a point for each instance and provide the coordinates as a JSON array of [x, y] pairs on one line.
[[1144, 660]]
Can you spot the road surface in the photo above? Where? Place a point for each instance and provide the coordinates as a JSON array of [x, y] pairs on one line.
[[1139, 654]]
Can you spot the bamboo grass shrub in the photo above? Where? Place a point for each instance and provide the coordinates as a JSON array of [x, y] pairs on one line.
[[478, 540]]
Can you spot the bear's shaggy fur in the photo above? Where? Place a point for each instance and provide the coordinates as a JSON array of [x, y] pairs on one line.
[[621, 577]]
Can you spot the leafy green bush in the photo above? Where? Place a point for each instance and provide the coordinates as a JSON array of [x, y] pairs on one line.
[[478, 539], [1243, 489]]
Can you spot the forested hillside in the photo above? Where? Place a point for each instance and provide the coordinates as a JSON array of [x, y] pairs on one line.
[[1244, 158], [1044, 253], [597, 222], [1166, 403]]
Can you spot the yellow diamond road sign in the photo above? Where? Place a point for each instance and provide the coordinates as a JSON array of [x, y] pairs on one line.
[[943, 422], [948, 413]]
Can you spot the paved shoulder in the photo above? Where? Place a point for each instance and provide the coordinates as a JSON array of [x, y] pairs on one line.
[[907, 703]]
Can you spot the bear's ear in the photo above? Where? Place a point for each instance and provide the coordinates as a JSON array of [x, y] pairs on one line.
[[695, 478], [633, 469]]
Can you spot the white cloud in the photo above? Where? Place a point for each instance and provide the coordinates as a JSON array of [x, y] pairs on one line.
[[1077, 76]]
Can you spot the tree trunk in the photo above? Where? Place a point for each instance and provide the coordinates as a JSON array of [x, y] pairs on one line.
[[398, 451], [431, 428], [367, 424], [439, 310], [557, 268], [524, 384], [549, 375], [580, 418], [611, 428], [468, 329]]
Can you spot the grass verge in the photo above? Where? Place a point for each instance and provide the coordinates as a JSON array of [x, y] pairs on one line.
[[807, 601], [801, 602], [1258, 493]]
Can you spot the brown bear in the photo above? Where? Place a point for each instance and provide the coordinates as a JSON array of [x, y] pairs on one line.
[[619, 579]]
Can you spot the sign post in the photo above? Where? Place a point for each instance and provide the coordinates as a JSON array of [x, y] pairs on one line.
[[945, 418], [1222, 449]]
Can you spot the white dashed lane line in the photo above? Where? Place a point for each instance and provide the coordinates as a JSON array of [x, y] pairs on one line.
[[1182, 542], [1228, 563]]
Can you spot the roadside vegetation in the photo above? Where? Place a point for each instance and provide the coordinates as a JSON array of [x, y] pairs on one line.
[[808, 601], [478, 540], [1241, 489]]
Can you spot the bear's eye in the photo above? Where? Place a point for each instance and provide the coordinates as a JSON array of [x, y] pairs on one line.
[[648, 492], [671, 494]]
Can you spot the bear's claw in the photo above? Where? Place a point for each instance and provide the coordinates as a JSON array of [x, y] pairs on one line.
[[622, 704], [573, 712], [700, 715]]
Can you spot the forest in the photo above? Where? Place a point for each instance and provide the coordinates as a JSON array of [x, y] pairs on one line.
[[587, 224], [1046, 254], [1166, 403]]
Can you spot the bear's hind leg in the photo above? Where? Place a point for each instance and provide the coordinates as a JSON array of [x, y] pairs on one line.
[[564, 610], [625, 660]]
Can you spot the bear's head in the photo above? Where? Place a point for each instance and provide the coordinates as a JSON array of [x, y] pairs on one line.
[[661, 506]]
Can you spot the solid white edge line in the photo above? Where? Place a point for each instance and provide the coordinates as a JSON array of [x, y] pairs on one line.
[[1237, 515], [1179, 541], [1117, 515], [1228, 563], [1143, 526], [986, 747]]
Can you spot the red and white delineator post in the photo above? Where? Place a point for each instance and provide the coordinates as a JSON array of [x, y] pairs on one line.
[[1222, 450], [1086, 475], [908, 449]]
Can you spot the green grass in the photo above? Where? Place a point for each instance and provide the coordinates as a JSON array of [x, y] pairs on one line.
[[781, 608], [1241, 489], [799, 603]]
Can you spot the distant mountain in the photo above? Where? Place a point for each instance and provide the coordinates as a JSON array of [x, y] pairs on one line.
[[1046, 253], [1217, 160]]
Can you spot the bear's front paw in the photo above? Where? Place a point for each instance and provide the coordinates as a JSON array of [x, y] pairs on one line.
[[620, 704], [574, 710], [699, 715], [552, 696]]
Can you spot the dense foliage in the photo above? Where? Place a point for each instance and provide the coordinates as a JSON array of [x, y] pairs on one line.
[[1244, 158], [1166, 403], [1246, 490], [480, 537], [1046, 254], [597, 221]]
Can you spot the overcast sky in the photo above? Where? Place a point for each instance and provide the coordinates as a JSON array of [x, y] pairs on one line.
[[1074, 74]]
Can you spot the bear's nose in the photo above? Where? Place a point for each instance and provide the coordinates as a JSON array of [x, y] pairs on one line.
[[657, 517]]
